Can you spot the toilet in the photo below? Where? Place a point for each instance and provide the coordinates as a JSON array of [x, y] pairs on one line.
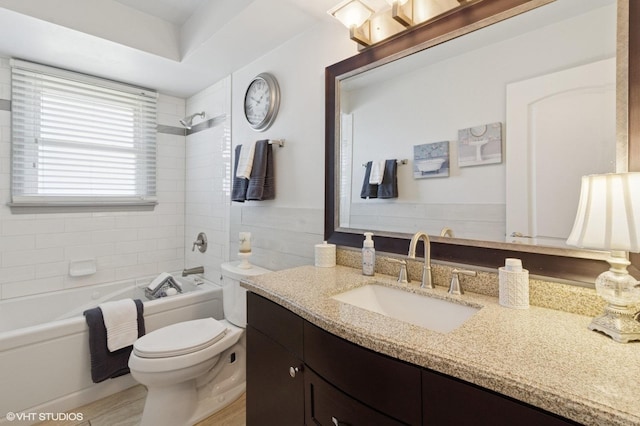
[[194, 368]]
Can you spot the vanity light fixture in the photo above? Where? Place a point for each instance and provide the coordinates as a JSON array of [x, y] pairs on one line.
[[402, 11], [608, 218], [354, 14], [370, 23]]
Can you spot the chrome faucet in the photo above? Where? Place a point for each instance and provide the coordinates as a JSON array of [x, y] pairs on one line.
[[403, 277], [446, 232], [191, 271], [426, 268], [455, 287]]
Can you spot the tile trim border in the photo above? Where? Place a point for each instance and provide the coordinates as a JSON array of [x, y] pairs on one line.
[[171, 130], [208, 124], [5, 105]]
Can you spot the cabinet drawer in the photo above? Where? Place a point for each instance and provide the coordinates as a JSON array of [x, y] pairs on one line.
[[452, 401], [393, 387], [327, 406], [278, 323]]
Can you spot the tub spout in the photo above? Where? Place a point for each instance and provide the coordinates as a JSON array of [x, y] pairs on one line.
[[191, 271]]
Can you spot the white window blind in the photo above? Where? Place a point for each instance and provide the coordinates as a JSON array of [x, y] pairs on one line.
[[79, 140]]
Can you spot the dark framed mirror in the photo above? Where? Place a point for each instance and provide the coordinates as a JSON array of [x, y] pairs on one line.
[[558, 262]]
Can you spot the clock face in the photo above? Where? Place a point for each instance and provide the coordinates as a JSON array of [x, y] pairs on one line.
[[257, 101], [261, 101]]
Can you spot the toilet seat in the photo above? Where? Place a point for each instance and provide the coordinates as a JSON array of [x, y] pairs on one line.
[[180, 339]]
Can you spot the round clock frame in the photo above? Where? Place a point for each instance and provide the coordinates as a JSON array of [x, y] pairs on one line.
[[264, 87]]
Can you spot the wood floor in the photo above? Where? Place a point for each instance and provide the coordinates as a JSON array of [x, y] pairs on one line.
[[125, 409]]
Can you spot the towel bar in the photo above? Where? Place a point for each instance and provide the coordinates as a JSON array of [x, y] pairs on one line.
[[400, 162], [279, 142]]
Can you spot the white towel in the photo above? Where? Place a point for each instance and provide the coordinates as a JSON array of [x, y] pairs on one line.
[[158, 280], [377, 172], [245, 162], [121, 321]]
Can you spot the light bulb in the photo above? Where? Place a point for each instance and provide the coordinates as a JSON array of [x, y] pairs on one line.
[[353, 13]]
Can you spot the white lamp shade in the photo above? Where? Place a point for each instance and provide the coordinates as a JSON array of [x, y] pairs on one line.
[[400, 2], [608, 216], [351, 13]]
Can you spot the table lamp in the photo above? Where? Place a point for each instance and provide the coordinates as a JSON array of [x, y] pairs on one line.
[[608, 218]]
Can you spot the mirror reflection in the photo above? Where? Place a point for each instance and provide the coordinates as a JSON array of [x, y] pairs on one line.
[[490, 123]]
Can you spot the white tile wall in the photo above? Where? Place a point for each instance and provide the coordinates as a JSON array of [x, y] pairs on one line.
[[207, 195], [35, 249], [281, 237], [472, 221]]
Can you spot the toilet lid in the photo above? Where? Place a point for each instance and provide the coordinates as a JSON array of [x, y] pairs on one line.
[[180, 339]]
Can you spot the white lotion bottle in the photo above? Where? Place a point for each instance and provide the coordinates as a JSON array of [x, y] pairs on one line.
[[368, 255]]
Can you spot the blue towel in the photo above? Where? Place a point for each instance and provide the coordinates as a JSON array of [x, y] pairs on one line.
[[105, 364], [262, 181], [239, 190], [389, 186], [368, 190]]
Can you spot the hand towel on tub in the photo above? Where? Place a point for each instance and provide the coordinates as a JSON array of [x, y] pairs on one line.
[[121, 321], [239, 191], [106, 364], [389, 186], [368, 190], [262, 181]]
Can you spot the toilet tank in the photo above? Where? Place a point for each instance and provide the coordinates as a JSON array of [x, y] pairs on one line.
[[235, 297]]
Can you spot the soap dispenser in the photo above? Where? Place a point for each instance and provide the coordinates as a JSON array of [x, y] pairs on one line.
[[368, 255]]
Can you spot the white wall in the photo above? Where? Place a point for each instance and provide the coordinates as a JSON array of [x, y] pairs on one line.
[[285, 230], [35, 249]]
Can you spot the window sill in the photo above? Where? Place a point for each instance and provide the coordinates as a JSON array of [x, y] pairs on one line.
[[57, 207]]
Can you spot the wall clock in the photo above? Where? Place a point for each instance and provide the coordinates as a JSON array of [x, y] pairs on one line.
[[261, 101]]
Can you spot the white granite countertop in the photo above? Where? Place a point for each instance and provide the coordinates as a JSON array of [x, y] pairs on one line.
[[540, 356]]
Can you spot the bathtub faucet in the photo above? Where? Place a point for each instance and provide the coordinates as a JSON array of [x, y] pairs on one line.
[[191, 271]]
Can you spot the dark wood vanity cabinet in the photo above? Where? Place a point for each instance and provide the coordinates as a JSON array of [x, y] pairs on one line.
[[449, 401], [299, 374], [379, 390], [275, 383], [327, 405]]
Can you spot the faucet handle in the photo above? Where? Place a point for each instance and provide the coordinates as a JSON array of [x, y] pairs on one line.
[[403, 277], [455, 287], [200, 242]]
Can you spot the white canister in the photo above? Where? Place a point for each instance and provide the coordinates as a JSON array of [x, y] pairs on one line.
[[514, 285], [325, 255]]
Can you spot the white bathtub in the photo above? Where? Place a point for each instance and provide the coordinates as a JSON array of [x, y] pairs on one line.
[[45, 365]]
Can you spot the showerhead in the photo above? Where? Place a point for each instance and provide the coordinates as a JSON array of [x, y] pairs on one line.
[[187, 122]]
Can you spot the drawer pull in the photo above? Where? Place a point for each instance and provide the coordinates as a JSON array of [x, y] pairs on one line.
[[337, 422], [294, 370]]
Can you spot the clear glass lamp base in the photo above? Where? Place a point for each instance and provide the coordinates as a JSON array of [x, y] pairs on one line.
[[618, 323], [622, 292]]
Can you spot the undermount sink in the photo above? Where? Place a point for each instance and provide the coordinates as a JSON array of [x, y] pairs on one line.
[[438, 315]]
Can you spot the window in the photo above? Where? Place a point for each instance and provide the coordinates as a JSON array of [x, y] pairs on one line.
[[79, 140]]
